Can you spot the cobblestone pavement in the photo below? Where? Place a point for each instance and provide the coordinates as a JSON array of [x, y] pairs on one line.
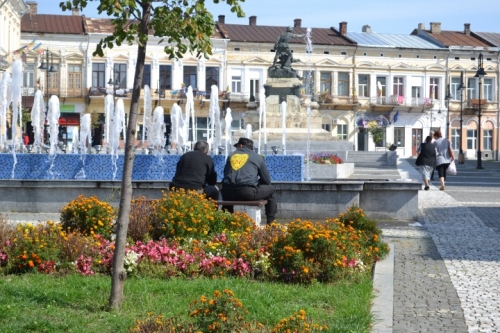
[[446, 272]]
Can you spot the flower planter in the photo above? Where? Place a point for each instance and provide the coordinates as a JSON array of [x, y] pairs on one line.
[[330, 171]]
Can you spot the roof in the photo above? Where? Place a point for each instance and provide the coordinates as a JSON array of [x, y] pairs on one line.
[[52, 24], [390, 40], [254, 33], [490, 37], [450, 38]]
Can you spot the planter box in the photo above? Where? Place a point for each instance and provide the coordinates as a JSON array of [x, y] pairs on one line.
[[330, 171]]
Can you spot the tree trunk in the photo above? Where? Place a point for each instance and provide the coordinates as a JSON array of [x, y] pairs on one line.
[[119, 275]]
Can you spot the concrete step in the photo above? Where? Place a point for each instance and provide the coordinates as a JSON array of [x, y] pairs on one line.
[[373, 158]]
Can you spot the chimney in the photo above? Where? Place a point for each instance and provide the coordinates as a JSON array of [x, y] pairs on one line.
[[33, 7], [343, 28], [435, 28], [421, 26], [467, 29], [366, 28], [75, 12], [222, 19], [297, 23], [252, 20]]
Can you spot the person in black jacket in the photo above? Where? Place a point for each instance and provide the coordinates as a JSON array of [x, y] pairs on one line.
[[246, 178], [195, 171], [427, 159]]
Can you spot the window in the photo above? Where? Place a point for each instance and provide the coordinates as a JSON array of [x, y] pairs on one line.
[[54, 79], [471, 88], [342, 131], [146, 76], [487, 139], [343, 86], [455, 138], [363, 85], [488, 90], [121, 75], [381, 82], [325, 82], [398, 86], [74, 80], [434, 88], [212, 77], [236, 80], [190, 76], [98, 75], [399, 136], [29, 76], [471, 139], [165, 77], [455, 93]]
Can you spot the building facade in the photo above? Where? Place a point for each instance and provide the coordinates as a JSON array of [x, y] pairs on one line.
[[405, 83]]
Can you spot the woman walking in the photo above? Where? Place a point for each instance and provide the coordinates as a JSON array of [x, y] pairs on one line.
[[444, 156], [427, 160]]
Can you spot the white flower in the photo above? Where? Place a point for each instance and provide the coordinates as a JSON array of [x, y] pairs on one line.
[[130, 261]]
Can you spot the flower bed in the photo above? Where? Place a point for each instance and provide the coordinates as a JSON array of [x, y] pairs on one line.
[[188, 237]]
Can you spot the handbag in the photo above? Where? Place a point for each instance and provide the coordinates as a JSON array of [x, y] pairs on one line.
[[419, 162], [452, 168]]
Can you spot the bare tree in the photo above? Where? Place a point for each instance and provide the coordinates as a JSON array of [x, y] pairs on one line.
[[186, 26]]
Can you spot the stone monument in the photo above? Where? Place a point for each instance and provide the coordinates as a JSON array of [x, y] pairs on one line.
[[285, 85]]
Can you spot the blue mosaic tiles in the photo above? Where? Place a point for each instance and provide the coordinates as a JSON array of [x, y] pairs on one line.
[[146, 167]]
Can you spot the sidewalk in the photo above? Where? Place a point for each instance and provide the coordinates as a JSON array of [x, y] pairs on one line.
[[445, 272]]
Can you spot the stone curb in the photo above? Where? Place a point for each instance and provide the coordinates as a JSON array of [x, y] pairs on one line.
[[383, 281]]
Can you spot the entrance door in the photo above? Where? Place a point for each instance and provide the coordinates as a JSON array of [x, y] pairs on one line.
[[362, 139], [416, 140]]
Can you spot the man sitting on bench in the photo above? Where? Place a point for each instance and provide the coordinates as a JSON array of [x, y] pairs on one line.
[[195, 171], [246, 178]]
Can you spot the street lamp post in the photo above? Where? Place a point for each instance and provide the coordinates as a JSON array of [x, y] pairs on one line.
[[48, 70], [461, 88], [479, 74], [447, 98]]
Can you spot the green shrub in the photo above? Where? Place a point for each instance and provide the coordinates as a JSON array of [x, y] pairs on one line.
[[183, 215], [89, 216]]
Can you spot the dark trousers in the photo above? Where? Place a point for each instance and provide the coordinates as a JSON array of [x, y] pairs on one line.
[[247, 193], [442, 170]]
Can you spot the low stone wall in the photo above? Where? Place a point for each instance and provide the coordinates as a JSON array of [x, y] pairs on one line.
[[380, 199]]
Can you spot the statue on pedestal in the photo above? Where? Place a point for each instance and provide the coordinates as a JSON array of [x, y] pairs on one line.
[[283, 59]]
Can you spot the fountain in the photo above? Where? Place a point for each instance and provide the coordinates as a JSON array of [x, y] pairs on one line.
[[45, 161]]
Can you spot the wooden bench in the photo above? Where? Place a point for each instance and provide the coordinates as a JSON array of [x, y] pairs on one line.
[[252, 208]]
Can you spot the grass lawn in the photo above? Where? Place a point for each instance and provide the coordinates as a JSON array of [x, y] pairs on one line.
[[73, 303]]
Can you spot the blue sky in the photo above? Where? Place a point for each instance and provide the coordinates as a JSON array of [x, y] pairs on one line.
[[383, 16]]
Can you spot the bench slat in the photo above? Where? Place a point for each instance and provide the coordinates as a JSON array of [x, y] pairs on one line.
[[258, 203]]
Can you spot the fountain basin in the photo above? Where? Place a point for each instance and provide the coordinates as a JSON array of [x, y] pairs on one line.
[[103, 167]]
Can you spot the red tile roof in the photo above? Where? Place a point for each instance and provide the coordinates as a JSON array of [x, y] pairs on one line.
[[253, 33], [454, 38], [52, 24]]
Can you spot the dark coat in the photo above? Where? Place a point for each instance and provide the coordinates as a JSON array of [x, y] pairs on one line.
[[194, 170], [428, 154]]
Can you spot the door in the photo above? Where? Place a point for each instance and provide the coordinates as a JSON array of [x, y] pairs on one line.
[[416, 140], [362, 139]]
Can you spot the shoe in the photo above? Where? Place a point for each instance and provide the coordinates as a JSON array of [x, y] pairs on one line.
[[426, 188], [441, 188]]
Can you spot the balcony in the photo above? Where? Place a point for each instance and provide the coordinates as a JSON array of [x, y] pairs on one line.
[[102, 91]]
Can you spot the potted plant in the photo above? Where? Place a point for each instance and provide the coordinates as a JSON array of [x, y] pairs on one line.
[[377, 132]]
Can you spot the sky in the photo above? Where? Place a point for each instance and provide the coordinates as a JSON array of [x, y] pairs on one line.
[[383, 16]]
